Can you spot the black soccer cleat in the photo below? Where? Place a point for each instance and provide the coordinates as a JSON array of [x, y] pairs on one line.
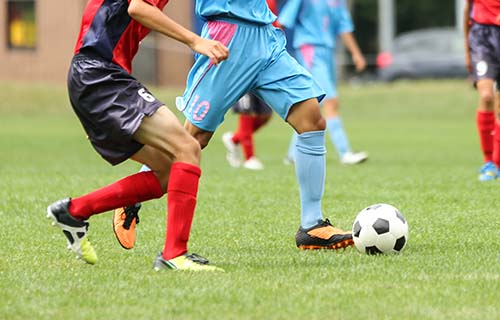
[[74, 230]]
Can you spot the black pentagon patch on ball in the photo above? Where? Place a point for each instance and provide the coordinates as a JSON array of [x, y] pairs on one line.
[[356, 229], [400, 216], [381, 226], [373, 250], [400, 243]]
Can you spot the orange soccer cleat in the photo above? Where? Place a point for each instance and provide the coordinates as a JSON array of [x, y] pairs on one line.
[[124, 221], [323, 236]]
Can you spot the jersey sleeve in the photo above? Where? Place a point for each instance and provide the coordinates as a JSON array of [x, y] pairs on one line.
[[288, 14], [343, 20]]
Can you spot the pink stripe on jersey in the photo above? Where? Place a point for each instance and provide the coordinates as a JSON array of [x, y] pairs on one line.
[[307, 52], [221, 31]]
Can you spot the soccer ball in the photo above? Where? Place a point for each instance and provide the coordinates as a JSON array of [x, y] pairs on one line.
[[380, 228]]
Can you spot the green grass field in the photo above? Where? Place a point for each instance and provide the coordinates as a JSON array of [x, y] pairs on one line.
[[424, 157]]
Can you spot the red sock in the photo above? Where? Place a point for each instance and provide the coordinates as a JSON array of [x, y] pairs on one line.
[[496, 144], [182, 190], [244, 134], [485, 121], [136, 188]]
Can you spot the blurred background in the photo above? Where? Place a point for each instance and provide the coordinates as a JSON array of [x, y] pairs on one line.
[[400, 39]]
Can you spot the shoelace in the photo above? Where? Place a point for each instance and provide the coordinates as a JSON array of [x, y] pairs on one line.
[[326, 222], [131, 213], [196, 258]]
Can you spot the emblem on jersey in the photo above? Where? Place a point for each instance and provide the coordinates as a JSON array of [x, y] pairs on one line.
[[146, 95], [481, 68]]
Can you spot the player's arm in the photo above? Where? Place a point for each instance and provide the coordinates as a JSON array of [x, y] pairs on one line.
[[153, 18], [468, 63], [352, 45], [345, 29]]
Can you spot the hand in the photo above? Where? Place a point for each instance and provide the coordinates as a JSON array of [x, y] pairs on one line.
[[359, 62], [214, 50]]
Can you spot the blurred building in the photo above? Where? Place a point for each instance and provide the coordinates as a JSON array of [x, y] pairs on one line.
[[37, 38]]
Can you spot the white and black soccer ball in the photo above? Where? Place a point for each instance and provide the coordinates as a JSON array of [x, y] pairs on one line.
[[380, 228]]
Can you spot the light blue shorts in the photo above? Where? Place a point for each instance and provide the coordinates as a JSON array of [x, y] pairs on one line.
[[257, 63], [319, 61]]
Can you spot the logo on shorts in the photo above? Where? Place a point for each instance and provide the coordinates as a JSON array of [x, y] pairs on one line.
[[146, 95], [481, 68]]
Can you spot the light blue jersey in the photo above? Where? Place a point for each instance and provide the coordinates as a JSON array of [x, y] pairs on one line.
[[237, 9], [303, 16]]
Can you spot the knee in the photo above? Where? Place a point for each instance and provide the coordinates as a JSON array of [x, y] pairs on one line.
[[190, 150], [316, 124], [487, 98]]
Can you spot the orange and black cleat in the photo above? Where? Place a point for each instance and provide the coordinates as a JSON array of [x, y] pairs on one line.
[[323, 236], [124, 221]]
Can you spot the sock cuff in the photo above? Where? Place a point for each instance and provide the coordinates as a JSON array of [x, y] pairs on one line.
[[485, 116], [485, 112], [312, 142], [186, 167], [184, 177]]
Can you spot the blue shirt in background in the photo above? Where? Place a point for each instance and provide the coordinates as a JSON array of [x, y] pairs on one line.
[[316, 22]]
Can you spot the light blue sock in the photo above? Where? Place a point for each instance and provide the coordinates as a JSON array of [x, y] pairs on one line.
[[310, 169], [292, 147], [338, 135]]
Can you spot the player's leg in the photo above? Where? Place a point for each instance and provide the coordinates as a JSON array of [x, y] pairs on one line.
[[337, 134], [253, 115], [243, 134], [291, 91], [314, 232], [136, 188], [485, 122], [496, 134], [110, 111], [166, 134], [252, 162], [256, 117]]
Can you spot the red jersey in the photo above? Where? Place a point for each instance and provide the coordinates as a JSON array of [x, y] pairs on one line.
[[110, 33], [485, 11]]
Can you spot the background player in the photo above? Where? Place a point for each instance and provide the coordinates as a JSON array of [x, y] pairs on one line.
[[123, 120], [316, 25], [482, 58], [253, 114]]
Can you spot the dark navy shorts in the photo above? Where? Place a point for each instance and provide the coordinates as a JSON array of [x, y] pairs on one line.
[[250, 104], [110, 104], [484, 42]]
